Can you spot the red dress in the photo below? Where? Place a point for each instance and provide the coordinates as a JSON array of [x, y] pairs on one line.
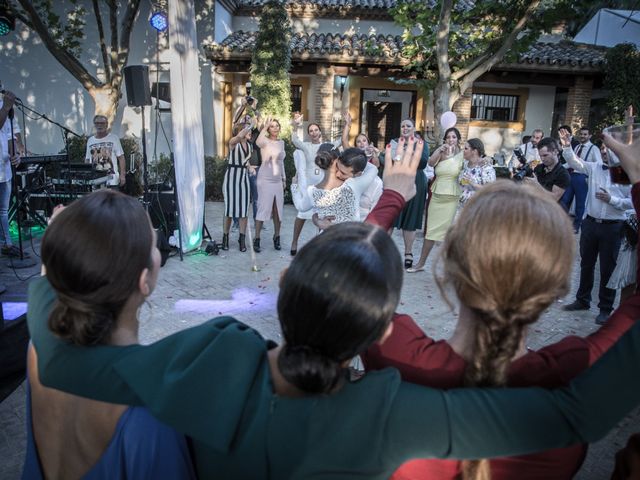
[[423, 360]]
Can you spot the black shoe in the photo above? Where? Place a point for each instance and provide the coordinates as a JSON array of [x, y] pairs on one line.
[[225, 241], [256, 245], [602, 317], [293, 252], [276, 242], [575, 306], [408, 260], [242, 243]]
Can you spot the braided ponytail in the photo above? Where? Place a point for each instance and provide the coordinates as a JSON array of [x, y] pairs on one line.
[[508, 257]]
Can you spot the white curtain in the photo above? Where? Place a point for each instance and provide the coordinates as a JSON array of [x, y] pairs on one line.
[[186, 120]]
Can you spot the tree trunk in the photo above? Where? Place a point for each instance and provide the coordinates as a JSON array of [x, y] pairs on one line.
[[106, 100], [444, 97]]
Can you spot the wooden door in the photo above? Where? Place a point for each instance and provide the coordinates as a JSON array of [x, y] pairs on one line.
[[383, 122]]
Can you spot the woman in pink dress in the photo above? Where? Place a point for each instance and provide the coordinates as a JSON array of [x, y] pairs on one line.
[[271, 181]]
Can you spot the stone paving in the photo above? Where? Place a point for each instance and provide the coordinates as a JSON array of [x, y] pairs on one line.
[[202, 287]]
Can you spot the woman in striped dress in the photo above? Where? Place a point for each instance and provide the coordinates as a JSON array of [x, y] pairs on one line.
[[235, 186]]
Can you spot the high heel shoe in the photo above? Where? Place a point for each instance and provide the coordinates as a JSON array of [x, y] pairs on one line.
[[293, 252], [408, 262], [225, 241], [256, 245], [241, 242], [276, 242]]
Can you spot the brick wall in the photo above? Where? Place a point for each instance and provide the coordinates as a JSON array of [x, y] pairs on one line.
[[324, 99], [578, 103], [462, 109]]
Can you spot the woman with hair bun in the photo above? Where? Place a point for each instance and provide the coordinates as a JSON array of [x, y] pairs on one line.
[[501, 293], [337, 196], [99, 276], [258, 410], [477, 170]]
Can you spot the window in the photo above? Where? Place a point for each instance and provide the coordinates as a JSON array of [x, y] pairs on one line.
[[296, 98], [497, 108]]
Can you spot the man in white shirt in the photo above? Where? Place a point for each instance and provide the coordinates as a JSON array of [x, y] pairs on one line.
[[587, 152], [312, 172], [105, 152], [601, 229], [7, 158], [529, 150]]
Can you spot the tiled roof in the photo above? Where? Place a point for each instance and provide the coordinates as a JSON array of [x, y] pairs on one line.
[[381, 6], [388, 48], [565, 53], [303, 45]]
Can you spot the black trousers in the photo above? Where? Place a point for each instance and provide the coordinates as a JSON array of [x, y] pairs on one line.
[[598, 240]]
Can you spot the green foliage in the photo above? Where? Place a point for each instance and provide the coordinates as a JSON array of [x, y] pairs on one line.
[[271, 62], [474, 33], [68, 33], [621, 79]]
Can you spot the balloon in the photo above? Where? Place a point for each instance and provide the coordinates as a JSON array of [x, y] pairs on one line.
[[448, 120]]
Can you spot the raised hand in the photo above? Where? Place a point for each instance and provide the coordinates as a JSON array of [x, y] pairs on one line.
[[400, 172], [565, 137], [297, 119]]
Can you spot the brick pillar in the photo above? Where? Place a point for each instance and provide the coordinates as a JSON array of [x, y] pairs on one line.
[[324, 99], [578, 103], [462, 109]]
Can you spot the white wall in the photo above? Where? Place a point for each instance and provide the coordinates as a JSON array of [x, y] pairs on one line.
[[326, 25], [538, 114]]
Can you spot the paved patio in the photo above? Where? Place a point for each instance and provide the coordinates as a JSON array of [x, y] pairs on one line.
[[202, 287]]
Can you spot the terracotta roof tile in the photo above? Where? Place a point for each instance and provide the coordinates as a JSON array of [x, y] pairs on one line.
[[564, 53]]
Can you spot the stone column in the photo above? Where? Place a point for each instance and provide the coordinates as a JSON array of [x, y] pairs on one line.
[[578, 103], [324, 99]]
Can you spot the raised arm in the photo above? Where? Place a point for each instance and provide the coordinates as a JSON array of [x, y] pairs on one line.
[[241, 134], [569, 155]]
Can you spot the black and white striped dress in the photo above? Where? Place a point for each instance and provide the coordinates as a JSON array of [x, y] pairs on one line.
[[235, 186]]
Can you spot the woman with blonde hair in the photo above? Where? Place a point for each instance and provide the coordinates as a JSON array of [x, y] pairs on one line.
[[271, 181], [501, 292]]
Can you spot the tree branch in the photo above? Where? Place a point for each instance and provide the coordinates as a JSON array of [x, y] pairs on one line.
[[68, 61], [508, 42], [457, 75], [130, 14], [103, 45], [113, 25]]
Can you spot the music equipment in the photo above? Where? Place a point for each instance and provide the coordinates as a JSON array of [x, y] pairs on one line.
[[162, 210], [82, 180], [42, 159], [136, 80]]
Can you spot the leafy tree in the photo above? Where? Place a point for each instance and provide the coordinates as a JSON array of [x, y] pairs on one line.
[[452, 43], [61, 28], [271, 62], [621, 79]]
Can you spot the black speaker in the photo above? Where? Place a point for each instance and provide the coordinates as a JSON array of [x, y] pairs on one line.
[[162, 210], [136, 80]]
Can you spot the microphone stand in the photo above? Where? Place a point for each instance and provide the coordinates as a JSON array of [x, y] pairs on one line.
[[65, 133], [23, 262]]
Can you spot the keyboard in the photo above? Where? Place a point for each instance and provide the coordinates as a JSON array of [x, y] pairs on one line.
[[40, 159]]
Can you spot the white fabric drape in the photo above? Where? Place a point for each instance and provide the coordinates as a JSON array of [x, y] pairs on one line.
[[186, 121]]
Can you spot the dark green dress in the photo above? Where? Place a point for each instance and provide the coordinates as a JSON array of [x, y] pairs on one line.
[[212, 382], [413, 212]]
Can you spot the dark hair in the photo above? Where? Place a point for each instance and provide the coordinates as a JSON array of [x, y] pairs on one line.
[[326, 155], [550, 143], [477, 145], [337, 298], [313, 123], [354, 158], [526, 139], [584, 128], [454, 130], [567, 128], [94, 252]]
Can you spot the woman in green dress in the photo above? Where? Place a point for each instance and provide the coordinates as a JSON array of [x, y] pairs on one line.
[[410, 219], [254, 409]]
